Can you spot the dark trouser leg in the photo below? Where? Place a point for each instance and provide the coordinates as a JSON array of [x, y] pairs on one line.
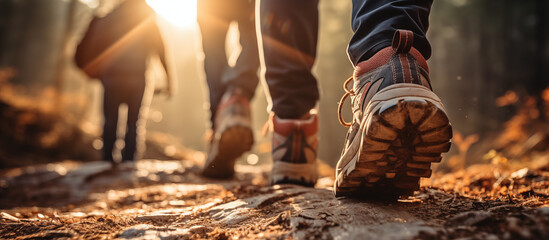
[[134, 100], [213, 28], [374, 22], [289, 31], [111, 103], [244, 74], [214, 18]]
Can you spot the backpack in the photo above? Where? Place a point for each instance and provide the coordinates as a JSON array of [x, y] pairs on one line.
[[94, 50], [87, 51]]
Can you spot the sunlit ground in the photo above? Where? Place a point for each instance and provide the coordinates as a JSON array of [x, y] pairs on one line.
[[181, 13]]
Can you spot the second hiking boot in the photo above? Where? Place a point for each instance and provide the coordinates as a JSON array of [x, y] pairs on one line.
[[295, 142], [399, 125], [232, 135]]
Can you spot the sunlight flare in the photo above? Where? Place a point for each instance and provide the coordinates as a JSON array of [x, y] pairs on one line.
[[181, 13]]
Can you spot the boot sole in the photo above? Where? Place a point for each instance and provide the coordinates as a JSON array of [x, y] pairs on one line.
[[232, 143], [304, 174], [406, 129]]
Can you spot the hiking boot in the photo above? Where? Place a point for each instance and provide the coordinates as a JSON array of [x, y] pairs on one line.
[[232, 135], [295, 142], [399, 125]]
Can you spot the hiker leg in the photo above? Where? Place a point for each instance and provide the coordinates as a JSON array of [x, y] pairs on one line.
[[243, 74], [213, 28], [111, 104], [289, 32], [391, 90], [134, 123], [374, 23]]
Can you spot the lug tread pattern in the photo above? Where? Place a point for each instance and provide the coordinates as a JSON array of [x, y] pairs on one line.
[[397, 149]]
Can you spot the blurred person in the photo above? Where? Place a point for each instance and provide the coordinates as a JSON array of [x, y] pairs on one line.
[[231, 88], [116, 49], [399, 125]]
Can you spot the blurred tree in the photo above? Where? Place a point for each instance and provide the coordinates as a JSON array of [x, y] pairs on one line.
[[32, 40], [482, 49], [332, 69], [65, 55], [542, 8], [5, 15]]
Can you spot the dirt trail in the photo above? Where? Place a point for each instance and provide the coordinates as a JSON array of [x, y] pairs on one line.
[[168, 199]]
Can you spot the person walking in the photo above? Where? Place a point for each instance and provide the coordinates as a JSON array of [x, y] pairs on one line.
[[116, 49], [231, 88], [399, 126]]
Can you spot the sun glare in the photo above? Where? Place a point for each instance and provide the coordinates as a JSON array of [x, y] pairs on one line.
[[181, 13]]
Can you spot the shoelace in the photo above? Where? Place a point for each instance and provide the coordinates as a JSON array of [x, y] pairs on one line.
[[340, 107], [268, 126]]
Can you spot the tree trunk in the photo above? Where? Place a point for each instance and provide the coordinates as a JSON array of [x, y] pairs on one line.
[[62, 63]]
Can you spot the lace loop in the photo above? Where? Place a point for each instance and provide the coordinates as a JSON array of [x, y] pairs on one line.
[[340, 106], [268, 126]]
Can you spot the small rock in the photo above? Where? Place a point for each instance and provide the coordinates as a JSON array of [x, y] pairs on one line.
[[520, 173], [148, 232], [200, 229], [469, 218], [237, 216], [544, 210], [516, 227], [177, 203], [9, 217]]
